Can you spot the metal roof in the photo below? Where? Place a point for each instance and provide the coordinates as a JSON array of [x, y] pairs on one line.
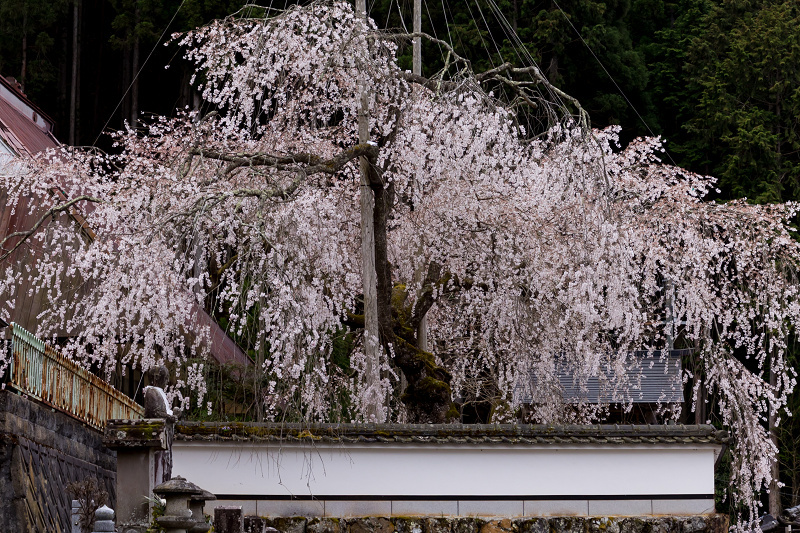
[[443, 433], [650, 377], [21, 133]]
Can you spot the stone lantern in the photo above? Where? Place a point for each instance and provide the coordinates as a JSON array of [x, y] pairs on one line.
[[178, 516], [196, 504]]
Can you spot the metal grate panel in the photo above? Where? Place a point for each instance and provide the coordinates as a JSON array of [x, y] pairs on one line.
[[650, 377]]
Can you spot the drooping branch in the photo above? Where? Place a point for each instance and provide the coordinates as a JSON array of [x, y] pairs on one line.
[[50, 213], [497, 74]]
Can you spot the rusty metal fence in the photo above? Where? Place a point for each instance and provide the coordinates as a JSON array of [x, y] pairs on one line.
[[40, 371]]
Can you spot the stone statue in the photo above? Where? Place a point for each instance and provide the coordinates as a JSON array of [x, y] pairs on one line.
[[155, 401]]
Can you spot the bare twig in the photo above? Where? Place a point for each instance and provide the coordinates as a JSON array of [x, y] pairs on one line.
[[90, 496]]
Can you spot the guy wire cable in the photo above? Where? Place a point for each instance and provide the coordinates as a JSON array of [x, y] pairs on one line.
[[646, 125], [477, 27], [449, 33], [158, 42], [433, 29], [524, 56], [489, 31]]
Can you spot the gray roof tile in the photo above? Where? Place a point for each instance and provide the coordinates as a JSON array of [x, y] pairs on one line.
[[449, 434]]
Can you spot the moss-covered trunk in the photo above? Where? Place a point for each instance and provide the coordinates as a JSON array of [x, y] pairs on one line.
[[428, 396]]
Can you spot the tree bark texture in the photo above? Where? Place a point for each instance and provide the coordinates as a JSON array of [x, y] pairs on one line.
[[427, 396]]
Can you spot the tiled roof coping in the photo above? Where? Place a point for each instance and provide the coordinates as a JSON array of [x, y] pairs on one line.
[[450, 433]]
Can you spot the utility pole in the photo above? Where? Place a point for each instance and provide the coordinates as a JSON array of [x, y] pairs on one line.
[[774, 504], [135, 70], [416, 66], [73, 102], [369, 276]]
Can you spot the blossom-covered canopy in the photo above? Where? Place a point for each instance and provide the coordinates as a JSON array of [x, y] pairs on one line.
[[521, 247]]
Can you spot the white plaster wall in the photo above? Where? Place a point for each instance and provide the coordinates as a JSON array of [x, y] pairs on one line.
[[385, 470]]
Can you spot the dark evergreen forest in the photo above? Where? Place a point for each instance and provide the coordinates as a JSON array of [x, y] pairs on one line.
[[719, 80]]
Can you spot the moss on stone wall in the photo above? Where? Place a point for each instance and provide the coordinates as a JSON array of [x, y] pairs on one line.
[[714, 523]]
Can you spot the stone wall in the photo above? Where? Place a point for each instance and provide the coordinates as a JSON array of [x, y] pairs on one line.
[[41, 452], [715, 523]]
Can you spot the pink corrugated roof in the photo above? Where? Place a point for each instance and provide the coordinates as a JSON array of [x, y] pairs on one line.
[[223, 348], [27, 138]]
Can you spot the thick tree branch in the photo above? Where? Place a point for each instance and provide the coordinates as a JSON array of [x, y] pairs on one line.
[[222, 268], [313, 164], [430, 84], [50, 213], [510, 69], [504, 74], [384, 200], [287, 163], [425, 299]]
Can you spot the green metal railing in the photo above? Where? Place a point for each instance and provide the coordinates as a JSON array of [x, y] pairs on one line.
[[40, 371]]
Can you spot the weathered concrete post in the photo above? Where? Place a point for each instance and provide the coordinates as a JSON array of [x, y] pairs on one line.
[[144, 454], [228, 519], [144, 460], [75, 517]]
